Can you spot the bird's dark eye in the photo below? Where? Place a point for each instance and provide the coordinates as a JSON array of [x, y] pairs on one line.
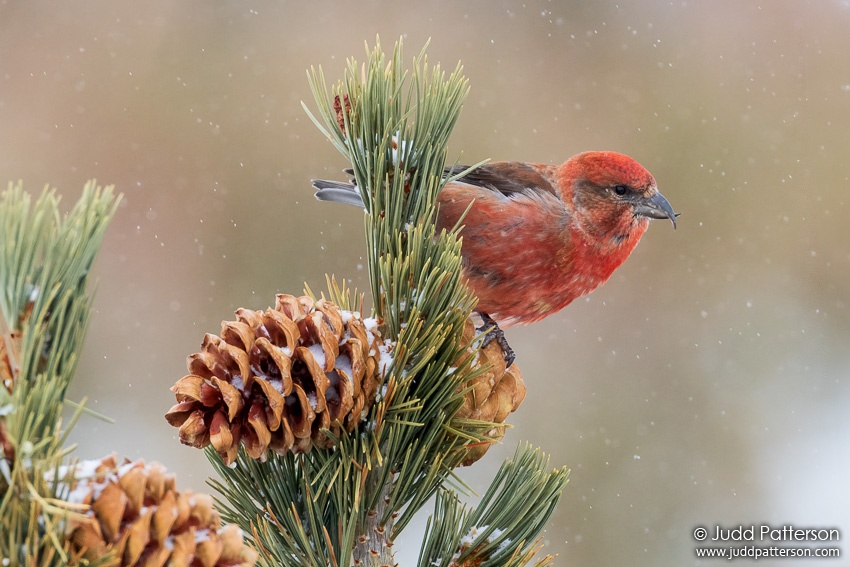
[[621, 189]]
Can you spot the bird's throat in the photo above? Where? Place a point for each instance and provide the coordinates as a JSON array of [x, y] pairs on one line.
[[600, 254]]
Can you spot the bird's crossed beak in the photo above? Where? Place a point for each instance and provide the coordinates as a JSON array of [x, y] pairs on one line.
[[657, 207]]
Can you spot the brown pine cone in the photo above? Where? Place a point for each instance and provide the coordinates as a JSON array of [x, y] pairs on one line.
[[494, 394], [338, 108], [136, 512], [276, 378]]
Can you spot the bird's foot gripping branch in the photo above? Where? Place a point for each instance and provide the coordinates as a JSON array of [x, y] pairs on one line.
[[331, 429]]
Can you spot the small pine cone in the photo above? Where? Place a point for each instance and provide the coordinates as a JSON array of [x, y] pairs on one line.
[[136, 512], [340, 113], [494, 393], [276, 378]]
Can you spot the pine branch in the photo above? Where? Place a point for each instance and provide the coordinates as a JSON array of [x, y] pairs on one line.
[[345, 502], [45, 261], [55, 511]]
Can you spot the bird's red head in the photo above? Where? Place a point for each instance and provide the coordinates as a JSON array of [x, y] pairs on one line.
[[613, 197]]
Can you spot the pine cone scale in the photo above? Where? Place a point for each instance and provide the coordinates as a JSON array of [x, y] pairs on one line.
[[228, 393], [194, 431], [218, 432], [272, 363], [179, 412]]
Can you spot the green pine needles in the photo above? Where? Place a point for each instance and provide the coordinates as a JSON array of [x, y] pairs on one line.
[[45, 262], [523, 496], [346, 505]]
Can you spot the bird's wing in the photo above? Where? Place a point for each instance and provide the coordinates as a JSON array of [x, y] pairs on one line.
[[509, 177]]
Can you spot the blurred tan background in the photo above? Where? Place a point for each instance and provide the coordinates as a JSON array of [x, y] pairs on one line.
[[706, 383]]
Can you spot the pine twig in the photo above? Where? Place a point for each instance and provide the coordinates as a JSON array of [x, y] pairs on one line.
[[374, 545]]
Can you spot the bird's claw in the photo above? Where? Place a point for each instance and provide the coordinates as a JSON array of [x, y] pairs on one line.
[[494, 333]]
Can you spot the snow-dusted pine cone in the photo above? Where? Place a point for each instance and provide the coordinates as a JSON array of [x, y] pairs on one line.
[[136, 512], [276, 378], [494, 393]]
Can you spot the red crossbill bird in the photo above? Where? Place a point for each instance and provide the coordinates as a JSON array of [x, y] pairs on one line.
[[538, 236]]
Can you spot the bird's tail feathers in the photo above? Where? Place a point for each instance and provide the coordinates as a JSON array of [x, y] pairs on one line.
[[349, 194], [337, 192]]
